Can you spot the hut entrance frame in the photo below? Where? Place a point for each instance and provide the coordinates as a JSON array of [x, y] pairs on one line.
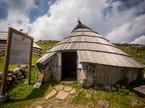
[[69, 65]]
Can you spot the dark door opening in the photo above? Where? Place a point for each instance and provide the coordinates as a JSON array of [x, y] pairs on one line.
[[69, 65]]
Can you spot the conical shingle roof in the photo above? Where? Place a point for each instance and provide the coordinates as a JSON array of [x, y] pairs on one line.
[[92, 48]]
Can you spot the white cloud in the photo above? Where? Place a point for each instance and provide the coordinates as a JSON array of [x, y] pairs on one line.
[[64, 16], [127, 25], [61, 18], [119, 27], [128, 31], [139, 40], [17, 14]]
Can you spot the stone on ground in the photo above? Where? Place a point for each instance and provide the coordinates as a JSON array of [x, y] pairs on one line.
[[51, 94], [62, 95], [103, 104], [39, 107], [67, 88], [59, 87], [73, 91], [134, 102]]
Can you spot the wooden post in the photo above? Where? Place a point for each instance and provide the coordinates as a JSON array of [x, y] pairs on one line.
[[59, 66], [30, 63], [6, 65]]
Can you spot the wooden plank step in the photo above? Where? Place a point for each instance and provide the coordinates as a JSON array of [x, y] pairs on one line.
[[140, 90], [39, 81]]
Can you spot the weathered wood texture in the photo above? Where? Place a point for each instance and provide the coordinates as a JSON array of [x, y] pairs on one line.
[[3, 38], [2, 48], [3, 35], [46, 58], [83, 46], [37, 49], [111, 75], [108, 75], [107, 59], [46, 74], [54, 70], [78, 75]]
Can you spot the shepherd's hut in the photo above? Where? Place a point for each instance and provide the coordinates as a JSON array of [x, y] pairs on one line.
[[3, 40], [37, 49], [90, 59]]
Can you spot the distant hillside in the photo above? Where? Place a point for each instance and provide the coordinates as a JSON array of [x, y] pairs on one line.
[[47, 44], [134, 50]]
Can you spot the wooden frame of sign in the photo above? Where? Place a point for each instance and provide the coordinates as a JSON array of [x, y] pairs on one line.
[[19, 51]]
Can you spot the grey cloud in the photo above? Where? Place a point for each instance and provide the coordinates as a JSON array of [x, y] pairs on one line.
[[139, 40]]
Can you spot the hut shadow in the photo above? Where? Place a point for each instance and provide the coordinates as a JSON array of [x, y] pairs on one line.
[[39, 92], [36, 92], [136, 83]]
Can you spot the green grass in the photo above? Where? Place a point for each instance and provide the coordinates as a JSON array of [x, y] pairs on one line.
[[1, 63], [115, 99], [137, 53], [34, 58]]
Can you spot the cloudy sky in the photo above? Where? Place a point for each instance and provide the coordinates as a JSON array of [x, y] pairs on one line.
[[117, 20]]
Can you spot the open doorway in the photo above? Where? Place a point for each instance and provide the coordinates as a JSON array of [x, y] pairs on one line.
[[69, 65]]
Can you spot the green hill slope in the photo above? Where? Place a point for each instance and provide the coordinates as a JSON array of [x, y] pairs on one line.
[[137, 52], [46, 44]]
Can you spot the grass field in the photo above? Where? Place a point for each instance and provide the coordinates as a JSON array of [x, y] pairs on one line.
[[136, 52], [1, 63], [120, 99], [22, 95]]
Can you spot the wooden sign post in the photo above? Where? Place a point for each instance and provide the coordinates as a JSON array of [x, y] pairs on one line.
[[19, 51]]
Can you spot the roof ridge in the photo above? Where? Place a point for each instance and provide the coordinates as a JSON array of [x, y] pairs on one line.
[[80, 25]]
